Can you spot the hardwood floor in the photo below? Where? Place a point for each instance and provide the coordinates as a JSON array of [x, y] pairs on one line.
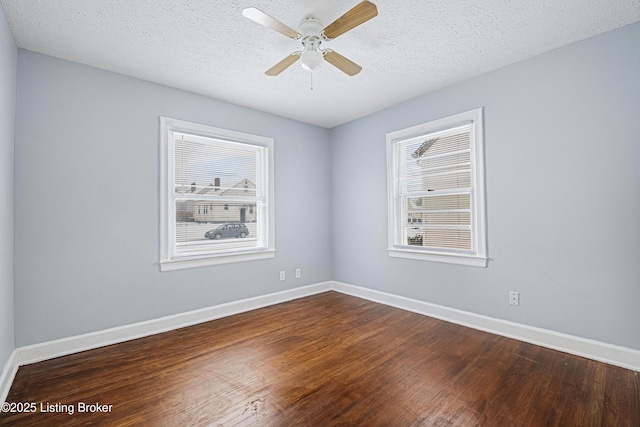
[[326, 360]]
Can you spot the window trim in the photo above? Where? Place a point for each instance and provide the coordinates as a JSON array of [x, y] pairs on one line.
[[479, 257], [167, 263]]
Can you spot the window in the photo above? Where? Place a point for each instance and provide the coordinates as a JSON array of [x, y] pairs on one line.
[[435, 180], [207, 175]]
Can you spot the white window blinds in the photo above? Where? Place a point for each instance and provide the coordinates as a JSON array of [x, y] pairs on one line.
[[433, 187], [209, 192], [435, 191]]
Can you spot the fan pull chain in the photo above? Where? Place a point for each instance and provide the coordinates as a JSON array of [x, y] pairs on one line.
[[311, 80]]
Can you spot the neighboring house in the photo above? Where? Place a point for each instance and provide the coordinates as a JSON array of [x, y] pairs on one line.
[[226, 210]]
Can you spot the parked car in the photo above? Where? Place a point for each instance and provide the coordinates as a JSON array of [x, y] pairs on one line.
[[227, 231]]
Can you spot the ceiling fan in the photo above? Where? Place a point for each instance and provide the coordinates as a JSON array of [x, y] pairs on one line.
[[311, 33]]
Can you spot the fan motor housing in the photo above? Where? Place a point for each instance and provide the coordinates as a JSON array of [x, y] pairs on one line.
[[310, 27]]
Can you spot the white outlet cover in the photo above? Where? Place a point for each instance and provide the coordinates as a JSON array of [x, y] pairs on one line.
[[514, 298]]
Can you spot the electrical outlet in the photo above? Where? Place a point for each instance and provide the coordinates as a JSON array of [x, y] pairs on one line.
[[298, 273], [282, 275], [514, 298]]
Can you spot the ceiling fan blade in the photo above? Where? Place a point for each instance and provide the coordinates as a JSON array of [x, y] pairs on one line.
[[360, 14], [283, 65], [268, 21], [345, 65]]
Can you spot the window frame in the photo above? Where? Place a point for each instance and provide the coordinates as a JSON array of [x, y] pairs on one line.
[[169, 261], [477, 257]]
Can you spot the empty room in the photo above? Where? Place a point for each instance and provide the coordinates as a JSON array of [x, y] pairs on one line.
[[320, 213]]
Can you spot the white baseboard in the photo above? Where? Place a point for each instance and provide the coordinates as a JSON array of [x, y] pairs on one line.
[[8, 374], [608, 353], [62, 347]]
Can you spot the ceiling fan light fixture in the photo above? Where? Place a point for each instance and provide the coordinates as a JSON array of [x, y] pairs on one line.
[[311, 60]]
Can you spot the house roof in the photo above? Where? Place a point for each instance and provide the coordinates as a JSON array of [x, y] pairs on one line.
[[208, 189]]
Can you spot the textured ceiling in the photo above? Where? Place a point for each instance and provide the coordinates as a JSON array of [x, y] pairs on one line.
[[411, 48]]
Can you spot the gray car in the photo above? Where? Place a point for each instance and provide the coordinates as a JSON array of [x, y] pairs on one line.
[[227, 231]]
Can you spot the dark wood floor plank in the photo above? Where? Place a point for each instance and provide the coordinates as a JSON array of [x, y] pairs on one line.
[[328, 360], [621, 397]]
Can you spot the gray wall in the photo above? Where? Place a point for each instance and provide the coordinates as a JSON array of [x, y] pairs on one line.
[[562, 146], [8, 53], [86, 202]]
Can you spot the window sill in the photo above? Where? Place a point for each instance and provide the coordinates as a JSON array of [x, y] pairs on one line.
[[460, 259], [204, 261]]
